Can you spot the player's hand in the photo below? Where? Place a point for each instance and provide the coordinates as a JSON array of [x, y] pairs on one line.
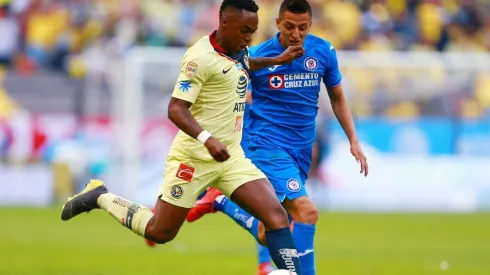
[[291, 53], [356, 151], [217, 149]]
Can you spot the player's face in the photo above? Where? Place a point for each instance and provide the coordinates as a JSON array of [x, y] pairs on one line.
[[239, 28], [293, 28]]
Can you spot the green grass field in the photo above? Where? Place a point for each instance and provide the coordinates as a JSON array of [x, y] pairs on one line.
[[36, 241]]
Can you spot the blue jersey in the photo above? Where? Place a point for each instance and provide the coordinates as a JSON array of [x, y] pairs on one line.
[[246, 117], [285, 98]]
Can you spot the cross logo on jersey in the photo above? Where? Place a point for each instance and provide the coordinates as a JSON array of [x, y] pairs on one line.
[[276, 81]]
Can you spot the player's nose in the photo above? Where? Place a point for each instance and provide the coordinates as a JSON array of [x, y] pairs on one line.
[[248, 39], [295, 34]]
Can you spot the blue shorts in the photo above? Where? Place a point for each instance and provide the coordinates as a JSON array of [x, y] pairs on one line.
[[286, 169]]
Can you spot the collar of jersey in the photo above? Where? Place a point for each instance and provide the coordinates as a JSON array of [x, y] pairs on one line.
[[216, 47], [277, 43]]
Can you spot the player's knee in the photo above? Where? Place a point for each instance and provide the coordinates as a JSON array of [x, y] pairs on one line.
[[162, 236], [309, 214], [277, 218], [303, 210]]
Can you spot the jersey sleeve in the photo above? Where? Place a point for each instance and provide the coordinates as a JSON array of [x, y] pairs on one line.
[[332, 76], [194, 72]]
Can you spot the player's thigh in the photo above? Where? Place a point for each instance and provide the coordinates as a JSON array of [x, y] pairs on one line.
[[246, 185], [185, 179], [236, 172], [281, 170]]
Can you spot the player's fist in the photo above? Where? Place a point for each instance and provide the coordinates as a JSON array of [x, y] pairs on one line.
[[291, 53], [217, 149]]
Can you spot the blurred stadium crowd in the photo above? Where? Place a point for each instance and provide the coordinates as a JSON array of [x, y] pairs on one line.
[[54, 34], [42, 33]]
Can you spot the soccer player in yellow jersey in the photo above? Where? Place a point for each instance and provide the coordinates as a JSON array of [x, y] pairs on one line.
[[207, 106]]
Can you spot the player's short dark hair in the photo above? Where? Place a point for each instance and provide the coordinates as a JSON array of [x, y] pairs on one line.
[[248, 5], [295, 6]]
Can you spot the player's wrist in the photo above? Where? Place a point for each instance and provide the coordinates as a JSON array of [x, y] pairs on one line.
[[278, 60], [204, 136]]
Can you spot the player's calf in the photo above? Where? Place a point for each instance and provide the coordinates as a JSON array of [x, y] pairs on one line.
[[259, 199], [305, 216], [160, 228]]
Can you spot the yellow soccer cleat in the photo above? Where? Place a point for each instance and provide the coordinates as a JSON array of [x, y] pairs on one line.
[[85, 201]]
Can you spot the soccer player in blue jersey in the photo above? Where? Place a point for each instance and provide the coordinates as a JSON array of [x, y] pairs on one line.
[[281, 126]]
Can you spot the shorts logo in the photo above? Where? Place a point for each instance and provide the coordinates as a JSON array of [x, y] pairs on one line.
[[177, 192], [311, 63], [293, 185], [191, 69], [238, 124], [185, 172], [276, 81]]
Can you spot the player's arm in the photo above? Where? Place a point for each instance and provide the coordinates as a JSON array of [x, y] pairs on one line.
[[342, 112], [187, 89], [344, 116], [340, 106], [291, 53]]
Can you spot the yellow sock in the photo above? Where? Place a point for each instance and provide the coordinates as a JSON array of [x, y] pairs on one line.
[[132, 215]]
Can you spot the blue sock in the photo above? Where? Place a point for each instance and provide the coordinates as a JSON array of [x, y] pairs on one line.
[[242, 218], [283, 250], [263, 254], [303, 236]]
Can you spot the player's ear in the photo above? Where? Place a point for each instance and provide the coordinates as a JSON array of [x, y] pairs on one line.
[[224, 22], [278, 23]]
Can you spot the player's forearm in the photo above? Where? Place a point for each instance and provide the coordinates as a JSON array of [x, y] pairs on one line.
[[342, 111], [257, 63], [179, 114]]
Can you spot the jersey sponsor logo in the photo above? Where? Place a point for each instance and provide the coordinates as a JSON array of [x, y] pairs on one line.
[[311, 63], [238, 124], [191, 69], [185, 172], [287, 81], [273, 68], [293, 185], [184, 86], [242, 85], [177, 192], [276, 81], [239, 107]]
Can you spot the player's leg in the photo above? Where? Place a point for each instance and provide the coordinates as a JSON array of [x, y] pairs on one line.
[[161, 227], [151, 243], [249, 188], [287, 171], [263, 257], [177, 196]]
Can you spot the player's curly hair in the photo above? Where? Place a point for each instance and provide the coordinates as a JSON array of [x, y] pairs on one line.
[[295, 6], [248, 5]]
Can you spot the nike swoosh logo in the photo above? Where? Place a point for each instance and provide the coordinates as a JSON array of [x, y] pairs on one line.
[[306, 252], [274, 68], [225, 71]]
